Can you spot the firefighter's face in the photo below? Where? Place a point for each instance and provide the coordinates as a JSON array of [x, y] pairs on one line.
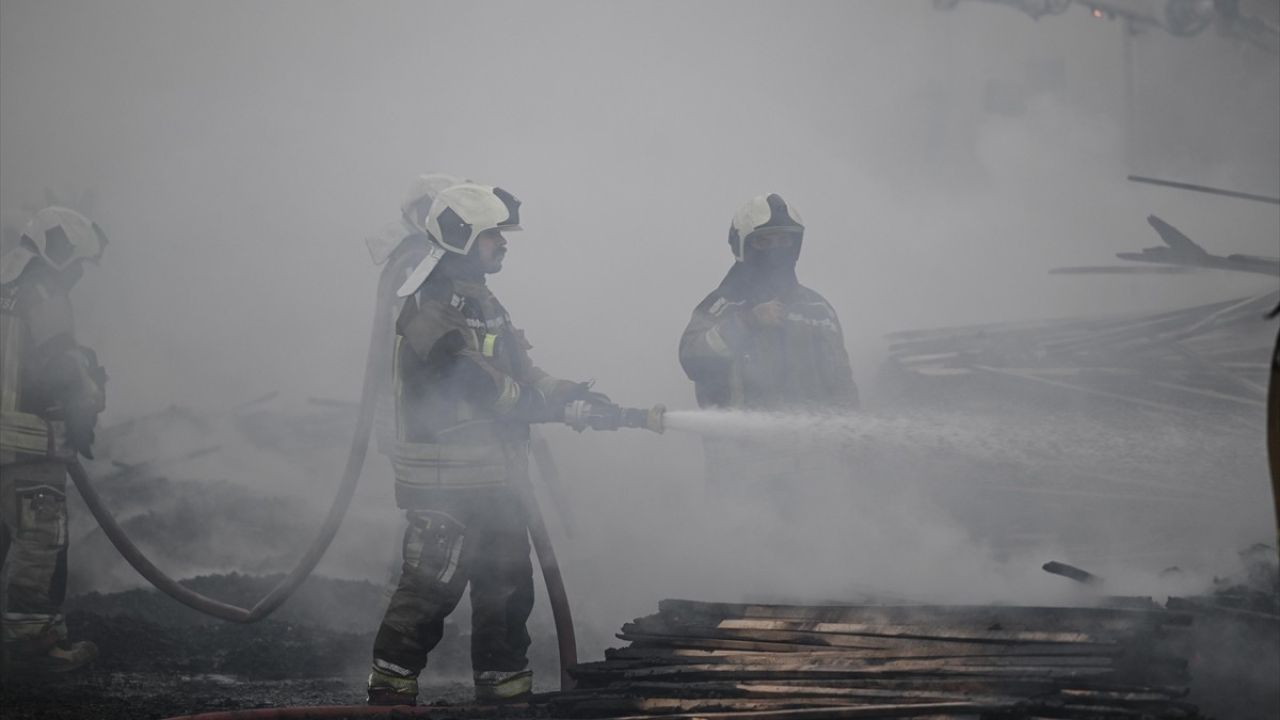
[[491, 248]]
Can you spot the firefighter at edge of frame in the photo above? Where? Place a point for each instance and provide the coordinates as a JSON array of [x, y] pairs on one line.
[[51, 392], [466, 393]]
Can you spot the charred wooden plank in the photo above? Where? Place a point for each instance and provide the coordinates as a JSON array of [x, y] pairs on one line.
[[1072, 572], [925, 632], [647, 640], [793, 689], [700, 647], [1114, 696], [951, 686], [603, 705], [802, 638], [838, 660], [856, 634], [816, 670], [1011, 616]]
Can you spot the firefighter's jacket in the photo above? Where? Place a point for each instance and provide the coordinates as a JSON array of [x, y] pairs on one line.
[[735, 364], [466, 392], [51, 389]]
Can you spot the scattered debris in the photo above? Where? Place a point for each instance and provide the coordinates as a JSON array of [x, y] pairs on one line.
[[1071, 571]]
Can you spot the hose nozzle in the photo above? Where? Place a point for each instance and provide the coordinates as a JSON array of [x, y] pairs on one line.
[[582, 414]]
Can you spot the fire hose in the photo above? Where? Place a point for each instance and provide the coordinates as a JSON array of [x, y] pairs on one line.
[[566, 638], [379, 339], [1273, 425]]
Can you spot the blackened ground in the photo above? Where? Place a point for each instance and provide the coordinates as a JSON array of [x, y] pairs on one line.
[[142, 696], [129, 696], [159, 659]]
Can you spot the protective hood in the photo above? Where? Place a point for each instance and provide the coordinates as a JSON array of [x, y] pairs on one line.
[[386, 239]]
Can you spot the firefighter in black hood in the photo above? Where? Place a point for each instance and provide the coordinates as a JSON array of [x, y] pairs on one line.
[[761, 340]]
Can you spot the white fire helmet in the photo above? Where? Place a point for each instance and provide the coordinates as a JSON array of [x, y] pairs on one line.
[[56, 235], [762, 212], [457, 217]]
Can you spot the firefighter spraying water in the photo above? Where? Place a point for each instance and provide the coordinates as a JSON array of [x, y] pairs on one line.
[[466, 394]]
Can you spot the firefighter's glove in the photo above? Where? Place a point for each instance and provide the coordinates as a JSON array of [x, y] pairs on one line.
[[583, 391], [583, 414]]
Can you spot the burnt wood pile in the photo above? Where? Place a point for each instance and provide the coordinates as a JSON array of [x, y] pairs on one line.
[[1208, 358], [696, 659]]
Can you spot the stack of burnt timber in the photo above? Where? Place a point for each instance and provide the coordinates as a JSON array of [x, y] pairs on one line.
[[697, 659], [1208, 358], [1211, 357]]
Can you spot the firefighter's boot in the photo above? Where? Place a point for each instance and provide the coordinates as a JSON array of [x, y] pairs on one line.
[[59, 657], [496, 686], [389, 687]]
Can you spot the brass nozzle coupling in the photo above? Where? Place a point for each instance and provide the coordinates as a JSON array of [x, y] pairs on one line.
[[648, 419]]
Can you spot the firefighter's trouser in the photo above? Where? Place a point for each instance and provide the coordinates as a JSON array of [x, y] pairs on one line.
[[33, 552], [472, 535]]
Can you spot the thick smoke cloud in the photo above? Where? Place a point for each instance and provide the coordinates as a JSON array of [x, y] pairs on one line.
[[943, 161]]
